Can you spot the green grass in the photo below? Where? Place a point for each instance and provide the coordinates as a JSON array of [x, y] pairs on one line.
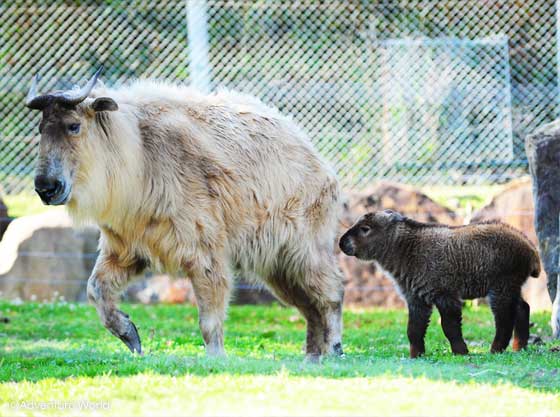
[[25, 204], [465, 197], [60, 352]]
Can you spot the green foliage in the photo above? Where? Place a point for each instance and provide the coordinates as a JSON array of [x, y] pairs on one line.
[[61, 352], [25, 204]]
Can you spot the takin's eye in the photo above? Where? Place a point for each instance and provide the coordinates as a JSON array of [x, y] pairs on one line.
[[73, 128], [364, 230]]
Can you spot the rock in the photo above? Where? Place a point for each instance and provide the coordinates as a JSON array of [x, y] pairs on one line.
[[165, 289], [43, 257], [514, 205], [4, 218], [160, 289], [364, 286], [543, 153], [399, 197]]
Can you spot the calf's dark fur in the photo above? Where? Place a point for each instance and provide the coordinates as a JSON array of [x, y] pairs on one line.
[[442, 265]]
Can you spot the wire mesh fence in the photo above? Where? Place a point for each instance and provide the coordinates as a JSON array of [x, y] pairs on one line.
[[418, 91]]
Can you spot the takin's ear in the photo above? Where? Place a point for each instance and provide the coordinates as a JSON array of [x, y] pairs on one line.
[[104, 104]]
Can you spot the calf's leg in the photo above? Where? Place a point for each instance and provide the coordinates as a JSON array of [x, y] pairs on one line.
[[450, 310], [504, 307], [418, 319], [212, 288], [103, 289], [521, 327]]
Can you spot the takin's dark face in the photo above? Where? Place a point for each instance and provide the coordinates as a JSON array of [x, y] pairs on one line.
[[63, 128], [369, 235]]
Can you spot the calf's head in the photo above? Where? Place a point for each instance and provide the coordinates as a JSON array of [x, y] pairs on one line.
[[63, 128], [370, 235]]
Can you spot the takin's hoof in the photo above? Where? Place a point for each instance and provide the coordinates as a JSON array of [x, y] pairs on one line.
[[314, 358], [337, 350], [131, 339], [130, 336]]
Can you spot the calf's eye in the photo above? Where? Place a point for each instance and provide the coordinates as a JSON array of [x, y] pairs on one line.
[[73, 128], [364, 230]]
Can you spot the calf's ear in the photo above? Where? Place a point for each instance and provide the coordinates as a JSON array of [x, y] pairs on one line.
[[104, 104], [396, 217]]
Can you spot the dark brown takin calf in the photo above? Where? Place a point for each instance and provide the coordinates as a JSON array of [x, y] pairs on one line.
[[442, 265]]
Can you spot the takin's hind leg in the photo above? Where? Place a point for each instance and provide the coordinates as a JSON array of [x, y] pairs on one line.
[[318, 295], [103, 290], [450, 310], [521, 327], [504, 308], [212, 289]]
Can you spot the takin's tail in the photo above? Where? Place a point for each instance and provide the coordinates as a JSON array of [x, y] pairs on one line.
[[536, 266]]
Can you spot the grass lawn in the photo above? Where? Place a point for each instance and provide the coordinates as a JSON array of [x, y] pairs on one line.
[[60, 352]]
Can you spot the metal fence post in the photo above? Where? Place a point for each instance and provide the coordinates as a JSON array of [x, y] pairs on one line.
[[197, 30]]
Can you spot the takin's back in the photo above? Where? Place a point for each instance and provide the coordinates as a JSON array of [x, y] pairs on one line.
[[227, 161], [489, 246]]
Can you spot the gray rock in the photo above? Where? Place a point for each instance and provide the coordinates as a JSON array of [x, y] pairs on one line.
[[43, 257]]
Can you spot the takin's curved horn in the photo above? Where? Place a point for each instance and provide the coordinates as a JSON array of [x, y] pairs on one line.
[[33, 101], [70, 97], [73, 97]]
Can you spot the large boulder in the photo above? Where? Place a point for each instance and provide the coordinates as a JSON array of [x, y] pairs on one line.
[[161, 288], [43, 257], [405, 199], [514, 205], [364, 285]]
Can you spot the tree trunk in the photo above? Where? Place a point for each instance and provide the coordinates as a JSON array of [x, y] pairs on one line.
[[543, 152]]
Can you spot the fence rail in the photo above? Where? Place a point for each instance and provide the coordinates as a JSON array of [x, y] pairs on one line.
[[416, 91]]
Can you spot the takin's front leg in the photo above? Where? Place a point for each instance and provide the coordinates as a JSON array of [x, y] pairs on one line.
[[418, 319], [212, 290], [103, 290]]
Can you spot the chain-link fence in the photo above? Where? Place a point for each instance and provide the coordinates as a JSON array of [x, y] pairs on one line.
[[419, 91]]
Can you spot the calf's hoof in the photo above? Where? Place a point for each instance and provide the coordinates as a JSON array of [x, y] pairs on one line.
[[519, 344], [459, 349], [497, 348], [416, 352]]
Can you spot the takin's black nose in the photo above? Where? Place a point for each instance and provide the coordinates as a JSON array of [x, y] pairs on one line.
[[346, 246], [50, 189]]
